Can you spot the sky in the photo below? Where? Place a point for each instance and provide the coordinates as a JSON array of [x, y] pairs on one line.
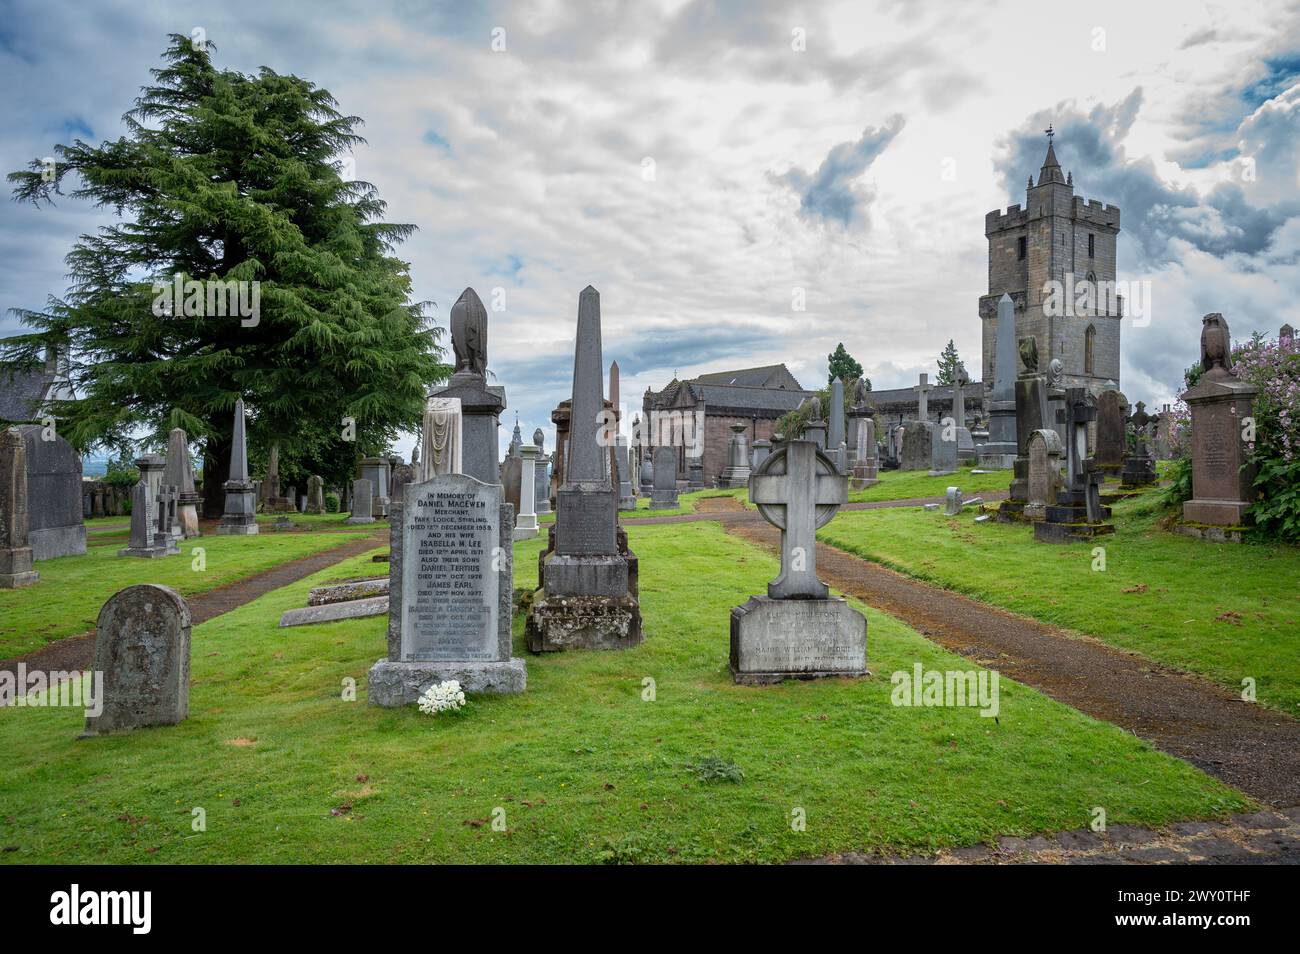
[[707, 165]]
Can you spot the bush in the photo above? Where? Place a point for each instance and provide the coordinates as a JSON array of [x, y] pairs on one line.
[[1274, 368], [331, 502]]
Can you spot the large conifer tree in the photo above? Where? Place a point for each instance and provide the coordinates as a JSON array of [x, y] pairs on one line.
[[226, 176]]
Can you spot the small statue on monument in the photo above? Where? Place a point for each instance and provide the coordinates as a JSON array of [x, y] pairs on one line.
[[469, 333]]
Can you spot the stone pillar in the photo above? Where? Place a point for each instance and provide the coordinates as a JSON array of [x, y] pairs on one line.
[[1220, 402], [761, 449], [179, 473], [240, 516], [526, 526], [541, 479], [1001, 449], [15, 552], [736, 473]]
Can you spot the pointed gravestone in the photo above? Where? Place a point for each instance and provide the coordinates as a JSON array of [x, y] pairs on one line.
[[797, 631], [836, 442], [240, 516], [179, 473], [588, 577], [15, 551], [999, 452], [142, 646]]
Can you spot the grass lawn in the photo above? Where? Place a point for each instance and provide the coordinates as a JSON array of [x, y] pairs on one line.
[[1226, 611], [309, 522], [908, 484], [685, 503], [580, 767], [71, 591]]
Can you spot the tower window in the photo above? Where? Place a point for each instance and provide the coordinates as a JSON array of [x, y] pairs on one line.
[[1089, 343], [1092, 245], [1022, 245]]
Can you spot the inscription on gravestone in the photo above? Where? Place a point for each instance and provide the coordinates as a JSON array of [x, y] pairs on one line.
[[448, 574]]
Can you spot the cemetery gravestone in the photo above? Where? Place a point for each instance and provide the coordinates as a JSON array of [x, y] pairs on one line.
[[664, 492], [835, 438], [1112, 444], [1001, 449], [240, 516], [362, 504], [403, 474], [588, 595], [760, 451], [526, 526], [1222, 475], [541, 479], [179, 473], [866, 467], [142, 646], [917, 447], [377, 470], [1077, 514], [736, 473], [450, 586], [952, 502], [55, 526], [797, 631], [626, 501], [441, 438], [15, 552], [1044, 480], [315, 495], [1139, 466], [943, 449]]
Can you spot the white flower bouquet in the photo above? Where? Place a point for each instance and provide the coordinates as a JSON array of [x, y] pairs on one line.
[[442, 697]]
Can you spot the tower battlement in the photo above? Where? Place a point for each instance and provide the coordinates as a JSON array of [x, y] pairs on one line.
[[1096, 213], [1013, 217]]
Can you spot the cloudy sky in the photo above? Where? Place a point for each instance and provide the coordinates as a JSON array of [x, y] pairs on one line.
[[700, 161]]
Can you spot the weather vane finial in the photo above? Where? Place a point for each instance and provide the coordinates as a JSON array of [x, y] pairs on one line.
[[1050, 132]]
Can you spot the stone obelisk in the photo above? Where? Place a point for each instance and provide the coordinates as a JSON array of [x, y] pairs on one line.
[[240, 515]]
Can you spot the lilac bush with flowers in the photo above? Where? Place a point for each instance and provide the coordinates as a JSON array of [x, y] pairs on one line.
[[1273, 366]]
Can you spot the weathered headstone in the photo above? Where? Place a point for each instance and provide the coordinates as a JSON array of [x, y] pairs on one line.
[[943, 449], [526, 526], [1222, 475], [1139, 466], [866, 467], [1112, 446], [797, 631], [952, 502], [759, 454], [1077, 514], [315, 495], [179, 473], [836, 440], [55, 526], [917, 450], [142, 539], [451, 579], [664, 482], [142, 646], [588, 595], [240, 516], [622, 464], [362, 504], [403, 474], [1001, 449], [480, 404], [736, 473], [377, 470], [15, 552], [1044, 480]]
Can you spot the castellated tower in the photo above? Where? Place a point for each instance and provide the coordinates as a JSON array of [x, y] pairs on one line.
[[1058, 240]]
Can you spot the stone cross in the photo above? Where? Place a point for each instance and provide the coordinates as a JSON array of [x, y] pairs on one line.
[[922, 390], [797, 489], [1140, 420]]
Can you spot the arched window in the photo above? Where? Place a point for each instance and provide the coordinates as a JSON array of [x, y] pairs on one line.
[[1089, 346]]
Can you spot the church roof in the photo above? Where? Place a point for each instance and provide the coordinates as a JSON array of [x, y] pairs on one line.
[[719, 396], [22, 392], [775, 376]]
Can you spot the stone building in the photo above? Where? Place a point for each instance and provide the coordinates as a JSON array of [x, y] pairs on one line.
[[1055, 257], [755, 397]]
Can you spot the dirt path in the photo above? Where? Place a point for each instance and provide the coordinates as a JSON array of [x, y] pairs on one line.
[[1248, 746], [78, 652]]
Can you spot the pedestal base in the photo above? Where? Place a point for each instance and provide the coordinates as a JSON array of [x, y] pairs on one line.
[[663, 499], [583, 622], [862, 483], [244, 529], [355, 520], [627, 503], [997, 456], [1222, 513], [393, 684], [525, 532], [12, 581], [773, 640]]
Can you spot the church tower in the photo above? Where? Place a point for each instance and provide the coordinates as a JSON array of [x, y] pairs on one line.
[[1056, 259]]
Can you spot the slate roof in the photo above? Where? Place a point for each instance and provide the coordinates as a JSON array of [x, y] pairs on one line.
[[772, 376], [22, 392], [749, 398]]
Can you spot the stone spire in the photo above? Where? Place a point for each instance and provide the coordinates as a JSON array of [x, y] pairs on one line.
[[587, 459], [1051, 171]]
